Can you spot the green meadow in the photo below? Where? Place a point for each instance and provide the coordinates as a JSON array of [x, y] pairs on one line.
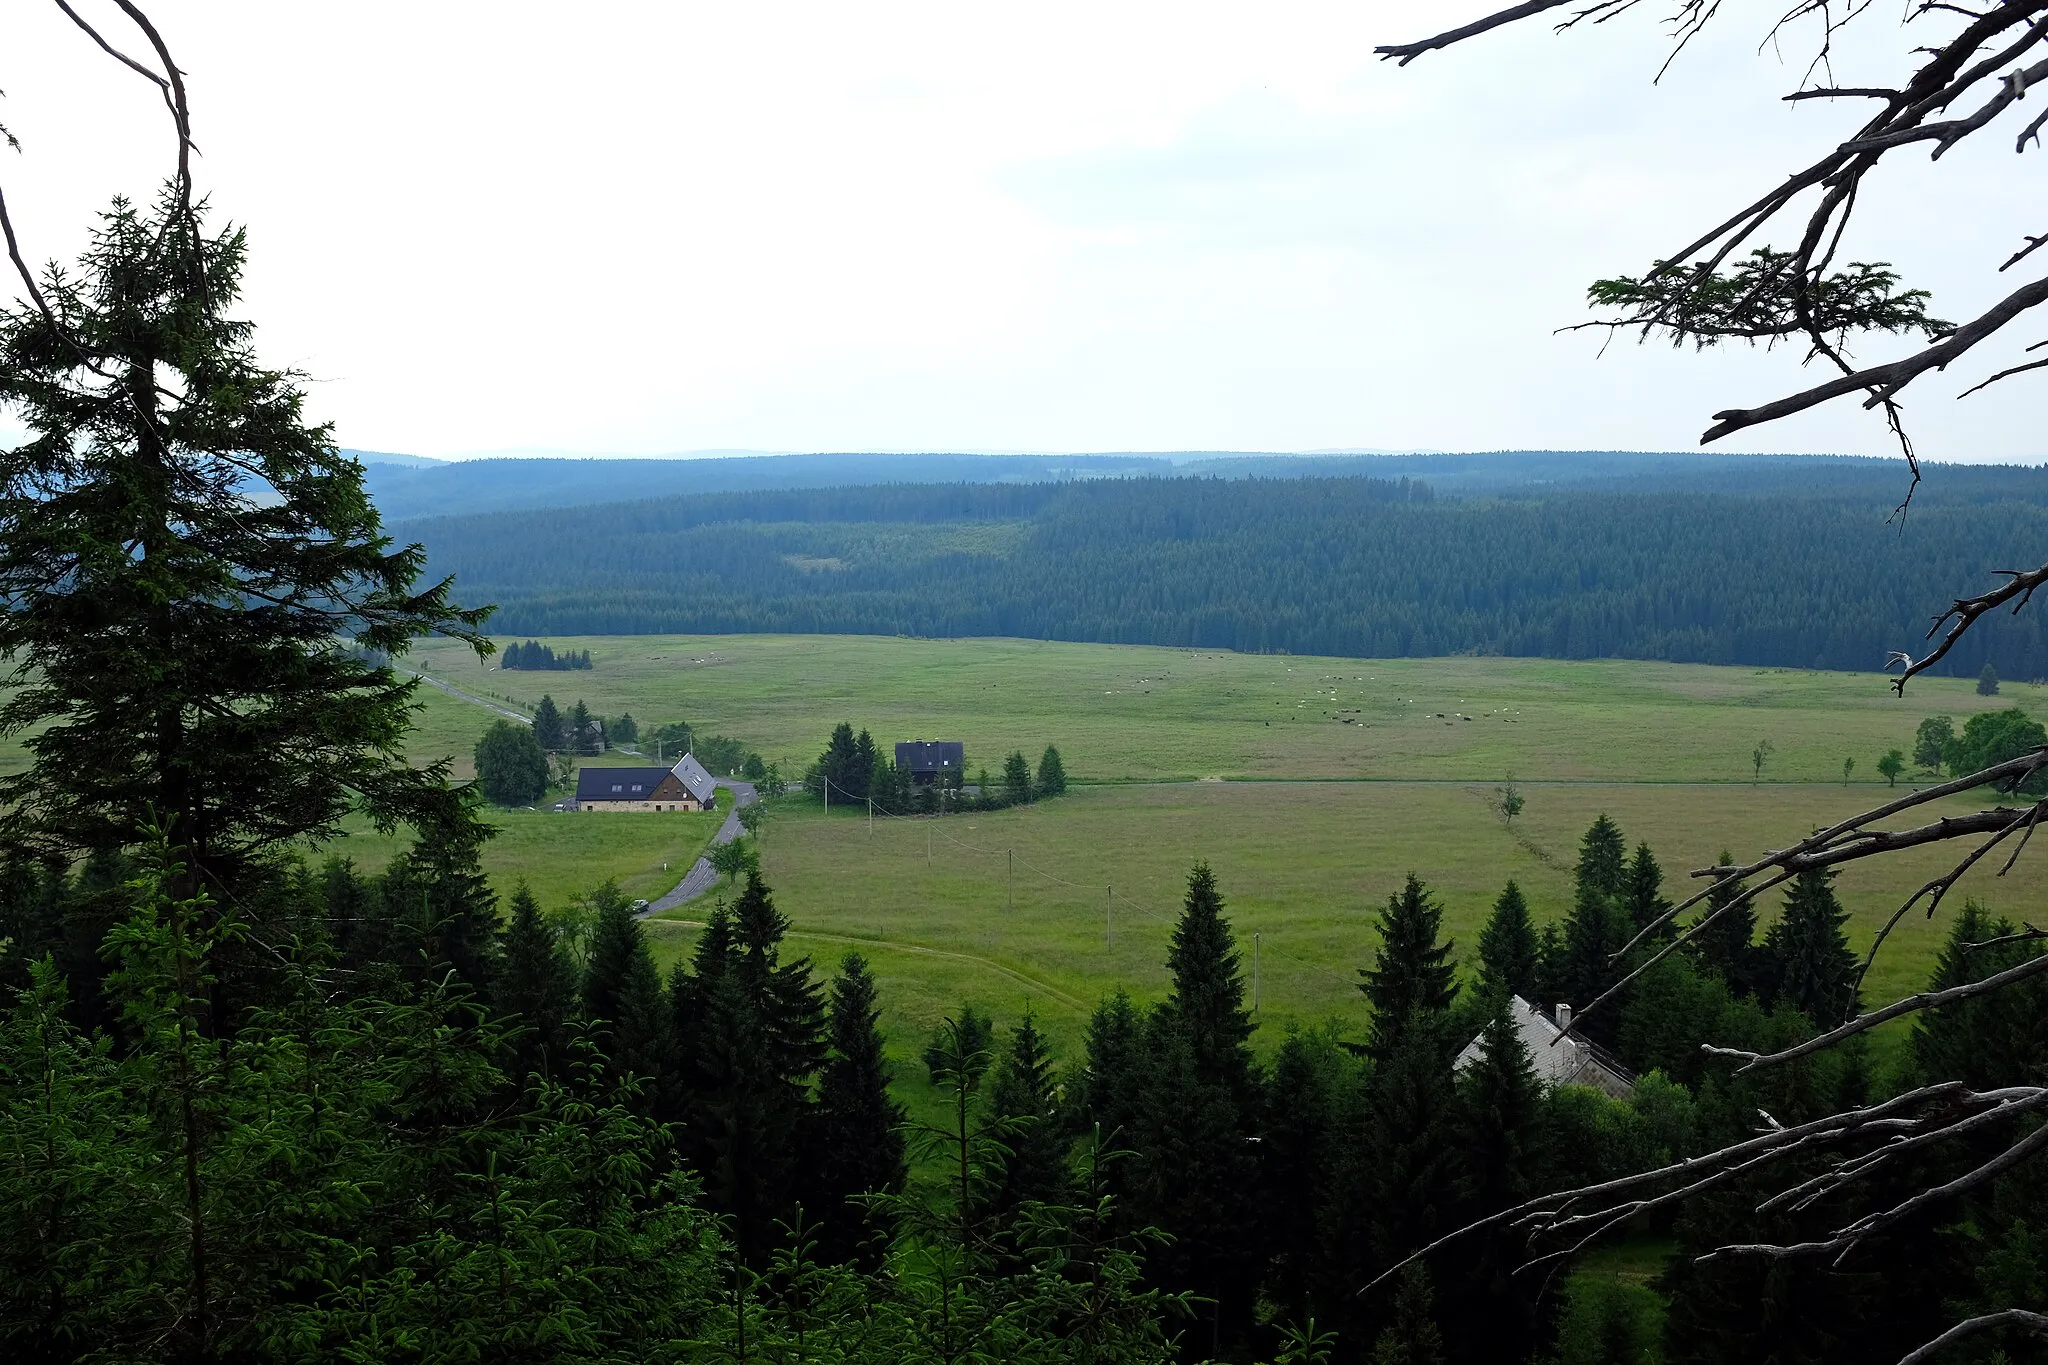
[[1305, 866], [1130, 713], [1312, 786]]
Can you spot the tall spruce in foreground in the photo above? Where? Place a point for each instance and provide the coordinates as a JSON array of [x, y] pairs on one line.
[[1198, 1111], [1807, 959], [536, 984], [1509, 955], [179, 551], [622, 994], [1023, 1102], [1727, 945], [1412, 973], [1207, 999], [1642, 896], [1598, 924], [860, 1128], [756, 1048]]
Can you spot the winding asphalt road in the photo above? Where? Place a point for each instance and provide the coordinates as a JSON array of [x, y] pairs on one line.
[[701, 877]]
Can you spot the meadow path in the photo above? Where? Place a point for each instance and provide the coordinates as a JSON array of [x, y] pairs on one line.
[[701, 877]]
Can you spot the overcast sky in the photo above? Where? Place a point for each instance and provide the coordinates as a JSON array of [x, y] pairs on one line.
[[645, 228]]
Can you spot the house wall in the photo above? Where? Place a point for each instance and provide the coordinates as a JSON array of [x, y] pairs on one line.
[[681, 803]]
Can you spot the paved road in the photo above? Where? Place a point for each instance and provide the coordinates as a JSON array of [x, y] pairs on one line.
[[701, 878]]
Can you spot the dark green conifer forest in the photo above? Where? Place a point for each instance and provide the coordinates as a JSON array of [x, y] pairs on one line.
[[1810, 577]]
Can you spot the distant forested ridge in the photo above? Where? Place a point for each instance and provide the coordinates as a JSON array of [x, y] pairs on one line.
[[1807, 573], [408, 486]]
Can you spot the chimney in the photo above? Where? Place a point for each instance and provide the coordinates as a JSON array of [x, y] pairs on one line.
[[1564, 1018]]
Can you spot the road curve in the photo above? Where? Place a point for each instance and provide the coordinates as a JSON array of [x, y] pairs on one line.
[[701, 877]]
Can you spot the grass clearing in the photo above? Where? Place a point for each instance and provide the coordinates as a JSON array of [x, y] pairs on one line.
[[1402, 784], [564, 856], [1125, 713], [1304, 866]]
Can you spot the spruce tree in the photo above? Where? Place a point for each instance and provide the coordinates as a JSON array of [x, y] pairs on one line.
[[859, 1132], [1016, 779], [860, 771], [1602, 859], [622, 994], [1107, 1089], [1207, 997], [1642, 895], [547, 726], [1412, 1337], [836, 764], [1411, 1168], [582, 737], [1023, 1107], [179, 552], [1195, 1178], [1499, 1099], [1807, 955], [1052, 774], [1509, 956], [1727, 946], [1309, 1173], [758, 1044], [1490, 1310], [1413, 975], [536, 985], [451, 908], [1598, 924]]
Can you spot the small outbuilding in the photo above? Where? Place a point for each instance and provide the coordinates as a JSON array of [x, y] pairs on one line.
[[685, 787], [943, 761], [1560, 1058]]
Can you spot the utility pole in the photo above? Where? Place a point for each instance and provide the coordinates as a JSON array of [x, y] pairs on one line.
[[1255, 971], [1013, 879], [828, 792], [927, 843], [871, 817], [1108, 922]]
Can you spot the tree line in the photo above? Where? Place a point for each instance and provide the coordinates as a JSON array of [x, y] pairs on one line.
[[853, 768], [534, 655], [395, 1112], [1356, 567]]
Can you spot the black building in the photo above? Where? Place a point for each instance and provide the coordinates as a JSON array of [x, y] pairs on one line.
[[933, 760]]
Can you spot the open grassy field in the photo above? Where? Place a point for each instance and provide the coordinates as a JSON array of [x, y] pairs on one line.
[[1350, 773], [1303, 865], [563, 856], [1137, 713]]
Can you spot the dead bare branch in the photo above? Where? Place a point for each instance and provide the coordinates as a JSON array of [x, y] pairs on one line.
[[1898, 1009], [1969, 1327], [1405, 53]]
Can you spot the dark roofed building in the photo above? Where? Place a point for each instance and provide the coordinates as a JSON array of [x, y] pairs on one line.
[[684, 787], [933, 760]]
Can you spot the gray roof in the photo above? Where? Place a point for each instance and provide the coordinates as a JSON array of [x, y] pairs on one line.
[[617, 784], [932, 755], [1560, 1058], [691, 774]]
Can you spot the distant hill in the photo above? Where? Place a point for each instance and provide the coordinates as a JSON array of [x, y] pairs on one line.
[[406, 487], [1782, 562], [388, 458], [494, 485]]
